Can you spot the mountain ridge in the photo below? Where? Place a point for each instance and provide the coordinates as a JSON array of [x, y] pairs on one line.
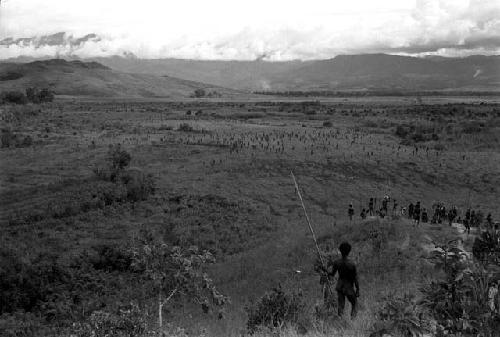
[[78, 78], [342, 72]]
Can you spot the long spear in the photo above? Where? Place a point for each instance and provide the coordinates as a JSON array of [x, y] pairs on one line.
[[312, 231]]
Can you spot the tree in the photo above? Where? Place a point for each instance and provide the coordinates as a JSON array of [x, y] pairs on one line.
[[118, 159], [176, 273], [15, 97], [199, 92], [46, 95]]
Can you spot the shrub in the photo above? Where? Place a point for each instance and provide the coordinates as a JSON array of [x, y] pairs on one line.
[[110, 258], [402, 316], [138, 184], [275, 309], [117, 160], [8, 138], [127, 321], [176, 273], [46, 95], [185, 127], [472, 127], [39, 96], [14, 97], [402, 131], [199, 93], [486, 247]]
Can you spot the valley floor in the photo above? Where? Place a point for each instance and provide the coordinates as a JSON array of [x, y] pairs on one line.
[[222, 182]]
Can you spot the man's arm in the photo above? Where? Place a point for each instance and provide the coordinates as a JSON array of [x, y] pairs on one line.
[[356, 284], [334, 267]]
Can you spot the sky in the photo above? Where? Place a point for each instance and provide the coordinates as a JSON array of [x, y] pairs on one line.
[[274, 30]]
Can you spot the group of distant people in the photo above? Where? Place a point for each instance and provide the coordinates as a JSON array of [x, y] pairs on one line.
[[418, 214], [382, 212]]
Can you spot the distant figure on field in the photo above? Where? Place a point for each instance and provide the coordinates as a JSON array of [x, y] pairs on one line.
[[425, 216], [370, 206], [489, 221], [416, 213], [363, 214], [347, 284], [394, 207], [385, 201], [410, 211], [350, 212]]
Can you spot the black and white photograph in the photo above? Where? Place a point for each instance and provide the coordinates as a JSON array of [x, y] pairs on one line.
[[265, 168]]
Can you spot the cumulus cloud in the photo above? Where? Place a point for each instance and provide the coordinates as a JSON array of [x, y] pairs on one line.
[[260, 29]]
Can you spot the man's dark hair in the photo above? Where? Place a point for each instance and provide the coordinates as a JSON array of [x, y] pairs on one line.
[[345, 248]]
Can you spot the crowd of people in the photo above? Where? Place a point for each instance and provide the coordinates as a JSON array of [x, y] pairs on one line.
[[418, 214]]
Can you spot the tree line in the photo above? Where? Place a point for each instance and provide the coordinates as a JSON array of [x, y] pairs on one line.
[[30, 95]]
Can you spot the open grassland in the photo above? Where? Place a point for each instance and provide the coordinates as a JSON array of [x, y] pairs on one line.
[[222, 182]]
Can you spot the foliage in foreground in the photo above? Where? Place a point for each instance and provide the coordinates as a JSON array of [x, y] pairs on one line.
[[177, 273], [276, 309], [459, 302]]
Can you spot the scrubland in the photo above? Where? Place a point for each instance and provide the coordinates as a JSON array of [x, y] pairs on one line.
[[216, 175]]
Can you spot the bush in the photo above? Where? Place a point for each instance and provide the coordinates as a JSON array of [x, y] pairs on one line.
[[14, 97], [402, 316], [185, 127], [110, 258], [8, 138], [117, 160], [199, 93], [39, 96], [486, 247], [138, 184], [127, 321], [402, 131], [275, 309], [472, 127]]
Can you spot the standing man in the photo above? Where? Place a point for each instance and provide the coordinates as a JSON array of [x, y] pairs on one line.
[[370, 207], [410, 211], [416, 213], [350, 212], [347, 284]]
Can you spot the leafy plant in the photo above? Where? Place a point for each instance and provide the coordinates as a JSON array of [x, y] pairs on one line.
[[275, 309], [185, 127], [403, 316], [176, 273]]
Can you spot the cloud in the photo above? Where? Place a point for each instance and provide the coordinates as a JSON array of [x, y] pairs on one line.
[[261, 29]]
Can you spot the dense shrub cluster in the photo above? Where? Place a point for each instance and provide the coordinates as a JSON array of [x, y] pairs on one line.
[[185, 127], [13, 97], [84, 198], [32, 95], [459, 302], [276, 309], [403, 316], [11, 139], [137, 185], [415, 134], [44, 296]]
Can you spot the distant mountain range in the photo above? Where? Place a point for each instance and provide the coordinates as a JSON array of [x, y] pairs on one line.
[[77, 78], [343, 72]]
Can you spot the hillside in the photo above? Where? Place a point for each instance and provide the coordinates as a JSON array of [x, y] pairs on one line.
[[77, 78], [373, 71]]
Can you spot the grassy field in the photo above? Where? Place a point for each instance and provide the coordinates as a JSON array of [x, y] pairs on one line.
[[222, 176]]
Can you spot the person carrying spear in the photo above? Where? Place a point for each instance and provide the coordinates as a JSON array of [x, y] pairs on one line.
[[347, 283]]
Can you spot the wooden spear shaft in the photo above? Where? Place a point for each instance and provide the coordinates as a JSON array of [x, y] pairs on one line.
[[311, 229]]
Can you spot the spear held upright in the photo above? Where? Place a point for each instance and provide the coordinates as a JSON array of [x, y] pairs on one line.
[[311, 228]]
